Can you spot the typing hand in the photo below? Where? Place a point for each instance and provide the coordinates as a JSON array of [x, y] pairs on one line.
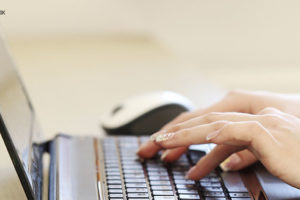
[[245, 102]]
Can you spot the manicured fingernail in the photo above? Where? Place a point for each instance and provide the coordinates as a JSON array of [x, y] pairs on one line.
[[188, 174], [153, 137], [163, 137], [163, 156], [212, 135], [230, 162]]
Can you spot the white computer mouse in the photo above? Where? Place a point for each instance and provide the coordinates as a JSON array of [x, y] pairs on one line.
[[145, 114]]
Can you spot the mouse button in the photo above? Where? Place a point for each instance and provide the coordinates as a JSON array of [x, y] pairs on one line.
[[116, 109]]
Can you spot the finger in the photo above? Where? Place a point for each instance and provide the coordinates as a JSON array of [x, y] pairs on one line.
[[251, 134], [188, 136], [170, 155], [209, 118], [148, 149], [238, 161], [182, 117], [210, 161]]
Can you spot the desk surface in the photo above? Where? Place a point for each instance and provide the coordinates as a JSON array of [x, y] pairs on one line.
[[73, 81]]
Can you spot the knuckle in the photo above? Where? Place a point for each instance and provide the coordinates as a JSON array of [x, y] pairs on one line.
[[236, 92], [210, 117], [269, 110], [176, 128]]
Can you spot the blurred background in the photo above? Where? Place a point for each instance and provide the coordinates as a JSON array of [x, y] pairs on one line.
[[80, 57]]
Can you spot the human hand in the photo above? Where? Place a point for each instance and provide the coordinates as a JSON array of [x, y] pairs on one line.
[[235, 101], [272, 136]]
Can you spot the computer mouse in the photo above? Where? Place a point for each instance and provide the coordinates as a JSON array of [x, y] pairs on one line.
[[145, 114]]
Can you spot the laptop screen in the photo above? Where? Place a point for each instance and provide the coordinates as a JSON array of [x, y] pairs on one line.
[[19, 127]]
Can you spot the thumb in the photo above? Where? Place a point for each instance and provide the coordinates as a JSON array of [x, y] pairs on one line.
[[238, 161]]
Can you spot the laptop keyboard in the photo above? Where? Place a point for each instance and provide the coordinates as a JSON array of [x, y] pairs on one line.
[[128, 177]]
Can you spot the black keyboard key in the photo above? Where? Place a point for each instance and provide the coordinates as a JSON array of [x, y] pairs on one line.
[[163, 193], [233, 182]]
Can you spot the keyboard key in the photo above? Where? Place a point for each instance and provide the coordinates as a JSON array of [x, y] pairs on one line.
[[159, 178], [137, 199], [213, 194], [160, 183], [131, 180], [158, 173], [133, 171], [212, 189], [162, 193], [113, 173], [114, 182], [115, 191], [113, 177], [138, 176], [189, 196], [188, 191], [137, 195], [161, 187], [185, 186], [239, 195], [114, 186], [212, 184], [217, 198], [184, 181], [136, 185], [115, 195], [137, 190], [164, 198]]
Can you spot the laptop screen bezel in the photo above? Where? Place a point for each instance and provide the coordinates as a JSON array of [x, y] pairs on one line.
[[16, 160]]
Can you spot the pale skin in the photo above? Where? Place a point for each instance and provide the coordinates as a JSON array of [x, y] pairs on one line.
[[246, 126]]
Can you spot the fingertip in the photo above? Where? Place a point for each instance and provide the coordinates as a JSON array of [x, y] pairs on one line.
[[147, 150]]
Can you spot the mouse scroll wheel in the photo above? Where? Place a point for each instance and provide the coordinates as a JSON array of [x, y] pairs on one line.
[[116, 109]]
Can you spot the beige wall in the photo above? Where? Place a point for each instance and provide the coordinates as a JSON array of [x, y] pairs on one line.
[[246, 44]]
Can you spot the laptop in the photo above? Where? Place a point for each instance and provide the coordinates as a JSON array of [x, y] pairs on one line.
[[108, 168]]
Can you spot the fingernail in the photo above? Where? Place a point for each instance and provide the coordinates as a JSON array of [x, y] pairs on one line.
[[163, 156], [230, 162], [188, 174], [153, 136], [163, 137], [212, 135]]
